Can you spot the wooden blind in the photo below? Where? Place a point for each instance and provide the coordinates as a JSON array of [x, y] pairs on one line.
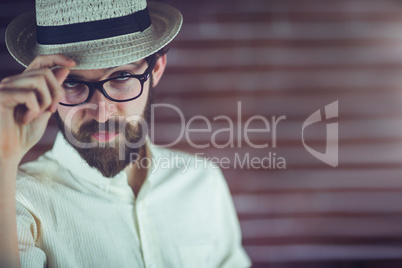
[[288, 59]]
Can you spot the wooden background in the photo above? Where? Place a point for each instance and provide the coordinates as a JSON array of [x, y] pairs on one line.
[[291, 58]]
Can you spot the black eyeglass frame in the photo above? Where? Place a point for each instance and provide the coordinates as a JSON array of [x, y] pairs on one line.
[[151, 60]]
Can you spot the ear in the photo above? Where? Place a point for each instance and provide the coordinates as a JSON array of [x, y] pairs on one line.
[[158, 70]]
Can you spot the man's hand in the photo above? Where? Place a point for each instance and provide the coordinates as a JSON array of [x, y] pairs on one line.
[[26, 103]]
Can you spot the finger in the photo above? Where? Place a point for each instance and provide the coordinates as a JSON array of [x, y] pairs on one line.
[[54, 80], [49, 61], [41, 81], [44, 82], [42, 118], [32, 109], [36, 81], [34, 131], [36, 127], [60, 74], [23, 103], [43, 93]]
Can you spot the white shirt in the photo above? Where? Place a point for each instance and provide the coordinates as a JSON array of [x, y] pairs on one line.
[[69, 215]]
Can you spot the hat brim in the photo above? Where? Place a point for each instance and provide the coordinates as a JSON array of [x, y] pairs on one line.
[[97, 54]]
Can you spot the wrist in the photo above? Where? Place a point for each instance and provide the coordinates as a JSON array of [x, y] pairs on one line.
[[8, 170], [8, 161]]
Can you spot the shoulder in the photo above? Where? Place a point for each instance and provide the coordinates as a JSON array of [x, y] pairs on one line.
[[41, 170], [36, 178], [44, 164]]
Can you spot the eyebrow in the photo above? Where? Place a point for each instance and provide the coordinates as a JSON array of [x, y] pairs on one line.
[[106, 70], [132, 63]]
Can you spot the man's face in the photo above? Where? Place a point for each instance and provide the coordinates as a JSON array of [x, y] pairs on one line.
[[108, 135]]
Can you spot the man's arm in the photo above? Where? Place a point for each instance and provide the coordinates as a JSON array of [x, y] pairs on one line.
[[8, 227], [26, 103]]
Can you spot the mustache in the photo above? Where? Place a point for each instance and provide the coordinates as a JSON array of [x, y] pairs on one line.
[[93, 126]]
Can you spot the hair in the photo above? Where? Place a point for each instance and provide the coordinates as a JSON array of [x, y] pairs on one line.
[[162, 51], [158, 53]]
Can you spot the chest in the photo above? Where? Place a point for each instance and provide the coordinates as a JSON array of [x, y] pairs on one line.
[[110, 233]]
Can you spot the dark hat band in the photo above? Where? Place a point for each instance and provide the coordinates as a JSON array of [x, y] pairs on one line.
[[86, 31]]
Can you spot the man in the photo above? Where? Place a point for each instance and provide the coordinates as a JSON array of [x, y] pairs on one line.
[[88, 202]]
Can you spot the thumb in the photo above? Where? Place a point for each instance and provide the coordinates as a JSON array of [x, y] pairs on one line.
[[43, 118], [38, 126], [41, 121], [61, 74]]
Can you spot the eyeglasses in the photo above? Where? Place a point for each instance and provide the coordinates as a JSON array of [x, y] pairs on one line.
[[118, 89]]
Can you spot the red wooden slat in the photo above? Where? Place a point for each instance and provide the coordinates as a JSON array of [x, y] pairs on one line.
[[292, 57]]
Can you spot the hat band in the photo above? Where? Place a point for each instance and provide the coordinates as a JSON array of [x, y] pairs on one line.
[[86, 31]]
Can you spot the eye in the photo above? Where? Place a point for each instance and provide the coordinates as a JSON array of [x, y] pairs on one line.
[[122, 75], [70, 84], [73, 85]]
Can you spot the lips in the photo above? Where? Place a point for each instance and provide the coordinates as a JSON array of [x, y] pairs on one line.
[[104, 136]]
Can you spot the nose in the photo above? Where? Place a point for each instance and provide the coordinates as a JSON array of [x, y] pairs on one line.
[[105, 107]]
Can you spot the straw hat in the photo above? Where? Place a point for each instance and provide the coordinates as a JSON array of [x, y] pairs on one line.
[[95, 33]]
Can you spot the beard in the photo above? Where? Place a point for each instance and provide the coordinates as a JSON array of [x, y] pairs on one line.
[[110, 158]]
